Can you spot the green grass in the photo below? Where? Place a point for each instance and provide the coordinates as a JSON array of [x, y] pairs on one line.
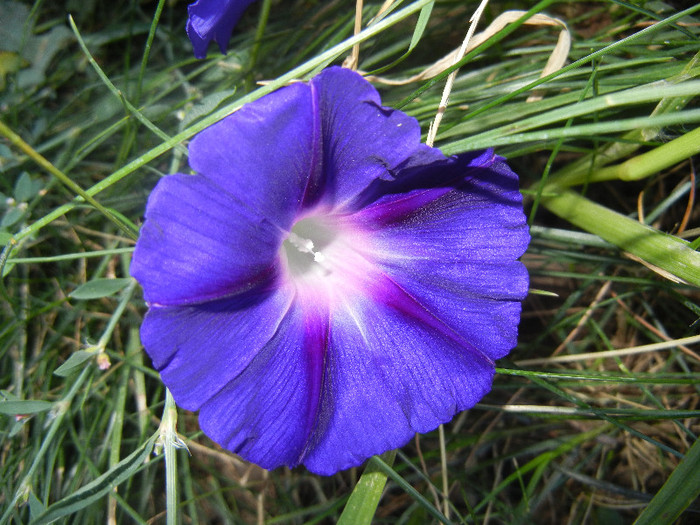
[[103, 105]]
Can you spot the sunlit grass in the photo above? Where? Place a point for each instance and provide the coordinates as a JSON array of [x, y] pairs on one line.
[[589, 416]]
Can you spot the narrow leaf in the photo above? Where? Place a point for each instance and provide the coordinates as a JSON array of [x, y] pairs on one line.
[[679, 491], [13, 408], [423, 19], [99, 487], [365, 497], [73, 362], [36, 507], [99, 288]]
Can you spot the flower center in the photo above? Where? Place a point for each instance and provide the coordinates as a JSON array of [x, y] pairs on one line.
[[326, 260], [305, 246]]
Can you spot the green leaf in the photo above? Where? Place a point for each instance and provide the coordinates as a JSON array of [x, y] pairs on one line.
[[36, 507], [679, 491], [12, 216], [5, 237], [98, 488], [365, 497], [29, 406], [24, 188], [99, 288], [73, 362]]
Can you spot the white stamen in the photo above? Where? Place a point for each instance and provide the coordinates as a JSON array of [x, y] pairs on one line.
[[306, 246], [301, 244]]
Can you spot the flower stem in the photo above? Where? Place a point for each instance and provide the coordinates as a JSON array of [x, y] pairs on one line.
[[659, 249], [641, 166], [443, 468], [169, 440], [362, 504]]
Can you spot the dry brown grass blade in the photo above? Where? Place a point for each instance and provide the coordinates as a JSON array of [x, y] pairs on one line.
[[556, 60], [606, 354]]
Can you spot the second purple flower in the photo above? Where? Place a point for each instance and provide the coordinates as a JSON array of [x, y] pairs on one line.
[[213, 20], [326, 286]]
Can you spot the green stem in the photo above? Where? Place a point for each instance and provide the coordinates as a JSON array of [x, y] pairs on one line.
[[170, 441], [44, 163], [632, 140], [641, 166], [115, 91], [147, 49], [123, 302], [376, 462], [259, 34], [116, 441], [659, 249], [362, 505]]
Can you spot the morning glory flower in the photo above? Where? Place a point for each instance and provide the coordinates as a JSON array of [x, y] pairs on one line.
[[326, 285], [213, 20]]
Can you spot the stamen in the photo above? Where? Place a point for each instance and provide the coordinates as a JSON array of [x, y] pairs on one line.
[[307, 246], [301, 244]]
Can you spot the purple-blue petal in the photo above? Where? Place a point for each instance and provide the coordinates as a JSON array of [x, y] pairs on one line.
[[213, 20], [362, 140], [264, 153], [269, 411], [310, 145], [391, 370], [198, 349], [455, 249], [201, 242]]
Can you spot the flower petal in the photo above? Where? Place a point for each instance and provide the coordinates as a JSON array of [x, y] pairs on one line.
[[480, 302], [199, 349], [213, 20], [267, 413], [391, 370], [362, 140], [264, 152], [454, 251], [199, 243]]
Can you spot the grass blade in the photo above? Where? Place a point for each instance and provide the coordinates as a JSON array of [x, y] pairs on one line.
[[365, 497], [679, 491], [99, 487]]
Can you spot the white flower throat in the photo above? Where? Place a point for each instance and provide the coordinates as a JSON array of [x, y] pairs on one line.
[[307, 247], [325, 258]]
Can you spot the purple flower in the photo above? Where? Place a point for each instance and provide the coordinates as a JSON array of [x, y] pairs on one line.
[[326, 285], [213, 20]]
